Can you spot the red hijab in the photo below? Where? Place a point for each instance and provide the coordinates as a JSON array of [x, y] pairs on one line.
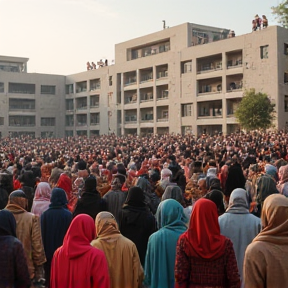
[[203, 239]]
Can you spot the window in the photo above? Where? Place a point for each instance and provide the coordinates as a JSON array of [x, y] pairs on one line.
[[264, 52], [21, 88], [69, 105], [110, 81], [1, 121], [165, 114], [22, 121], [69, 120], [47, 121], [1, 87], [285, 77], [21, 104], [94, 118], [186, 110], [48, 89], [69, 89], [286, 48], [286, 103]]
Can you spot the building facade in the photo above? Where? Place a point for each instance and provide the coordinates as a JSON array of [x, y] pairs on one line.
[[184, 79]]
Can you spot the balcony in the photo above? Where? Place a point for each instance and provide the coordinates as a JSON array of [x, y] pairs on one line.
[[130, 81], [234, 64], [21, 121], [162, 74], [81, 87], [130, 97], [234, 86], [146, 97], [147, 115], [210, 86], [209, 109], [130, 119], [147, 77], [148, 50], [163, 95], [209, 64], [166, 119]]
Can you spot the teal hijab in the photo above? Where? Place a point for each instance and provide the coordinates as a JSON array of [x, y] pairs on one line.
[[161, 250]]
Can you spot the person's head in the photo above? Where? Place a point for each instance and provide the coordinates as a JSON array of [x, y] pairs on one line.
[[170, 213], [43, 191], [202, 185], [7, 223], [166, 174], [216, 196], [90, 184], [58, 198], [54, 177], [173, 192], [19, 198], [238, 201], [117, 181], [135, 197], [106, 225], [274, 220], [271, 170], [79, 236]]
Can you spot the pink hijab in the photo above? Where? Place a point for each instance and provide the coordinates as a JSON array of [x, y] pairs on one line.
[[41, 199]]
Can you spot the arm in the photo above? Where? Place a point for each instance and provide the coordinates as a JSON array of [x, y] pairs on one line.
[[21, 269], [231, 267], [182, 266], [38, 254], [137, 268], [254, 267]]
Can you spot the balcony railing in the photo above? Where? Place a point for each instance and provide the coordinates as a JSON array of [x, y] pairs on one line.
[[146, 97], [81, 89], [95, 87], [210, 68], [22, 124], [131, 81], [82, 108], [236, 64], [94, 122], [147, 77], [166, 119], [149, 51], [164, 95], [81, 123], [162, 74], [131, 119], [94, 105], [235, 86]]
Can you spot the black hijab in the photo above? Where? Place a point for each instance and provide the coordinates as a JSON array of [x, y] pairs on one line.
[[7, 223], [58, 198], [135, 197]]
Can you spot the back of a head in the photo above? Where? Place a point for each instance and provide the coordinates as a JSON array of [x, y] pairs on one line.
[[216, 196], [7, 223], [58, 197], [19, 198], [90, 184]]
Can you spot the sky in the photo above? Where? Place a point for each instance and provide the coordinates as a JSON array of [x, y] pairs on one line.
[[60, 36]]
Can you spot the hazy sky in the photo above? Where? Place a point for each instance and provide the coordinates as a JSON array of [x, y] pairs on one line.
[[60, 36]]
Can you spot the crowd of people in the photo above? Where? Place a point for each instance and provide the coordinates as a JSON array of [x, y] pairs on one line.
[[159, 211]]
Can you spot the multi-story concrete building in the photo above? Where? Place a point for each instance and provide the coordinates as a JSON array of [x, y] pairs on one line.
[[184, 79]]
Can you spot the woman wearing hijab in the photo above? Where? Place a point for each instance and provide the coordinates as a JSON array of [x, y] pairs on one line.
[[239, 225], [14, 269], [90, 202], [54, 224], [151, 199], [265, 262], [136, 222], [41, 199], [204, 258], [121, 253], [283, 180], [173, 192], [76, 264], [161, 251], [217, 197]]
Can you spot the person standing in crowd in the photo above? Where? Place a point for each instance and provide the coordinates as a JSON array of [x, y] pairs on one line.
[[265, 262], [239, 225], [174, 192], [13, 265], [54, 224], [29, 233], [76, 264], [121, 253], [205, 258], [41, 200], [115, 198], [283, 180], [161, 251], [90, 202], [217, 197], [266, 185], [136, 222], [6, 187]]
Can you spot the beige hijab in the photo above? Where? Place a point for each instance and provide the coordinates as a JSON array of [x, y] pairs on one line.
[[274, 220]]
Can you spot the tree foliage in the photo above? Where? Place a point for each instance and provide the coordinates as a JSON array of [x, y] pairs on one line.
[[255, 111], [281, 13]]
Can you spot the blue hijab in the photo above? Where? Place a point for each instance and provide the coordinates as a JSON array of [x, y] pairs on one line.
[[161, 250]]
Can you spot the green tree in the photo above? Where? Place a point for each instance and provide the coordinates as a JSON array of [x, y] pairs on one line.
[[281, 13], [255, 111]]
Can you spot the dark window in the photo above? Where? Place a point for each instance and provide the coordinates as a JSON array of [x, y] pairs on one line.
[[286, 103], [285, 77], [48, 89], [264, 52], [48, 121]]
